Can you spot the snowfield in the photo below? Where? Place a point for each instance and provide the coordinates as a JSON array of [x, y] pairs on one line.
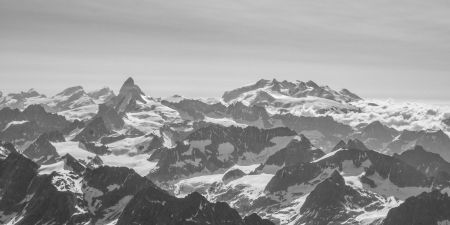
[[118, 158]]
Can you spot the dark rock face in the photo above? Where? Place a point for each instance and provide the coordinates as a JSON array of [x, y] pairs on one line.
[[93, 131], [191, 109], [232, 175], [76, 124], [19, 134], [47, 204], [356, 144], [167, 168], [398, 172], [329, 192], [244, 139], [54, 136], [72, 164], [433, 141], [127, 98], [95, 162], [224, 147], [110, 117], [154, 143], [7, 115], [33, 199], [112, 138], [427, 208], [26, 126], [254, 219], [297, 151], [330, 202], [150, 206], [292, 175], [106, 194], [431, 164], [42, 151], [16, 173], [351, 144], [108, 190], [45, 121], [6, 148], [388, 167]]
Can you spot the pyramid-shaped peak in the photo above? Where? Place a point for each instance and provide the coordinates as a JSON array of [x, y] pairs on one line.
[[130, 87], [356, 144], [129, 82], [340, 145], [128, 97], [375, 126], [376, 123]]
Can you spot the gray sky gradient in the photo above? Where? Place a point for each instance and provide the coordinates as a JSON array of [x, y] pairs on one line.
[[376, 48]]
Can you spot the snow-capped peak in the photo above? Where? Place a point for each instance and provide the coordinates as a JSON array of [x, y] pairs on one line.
[[129, 87], [296, 89], [129, 95]]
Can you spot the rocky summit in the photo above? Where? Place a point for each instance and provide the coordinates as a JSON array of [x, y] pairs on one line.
[[269, 153]]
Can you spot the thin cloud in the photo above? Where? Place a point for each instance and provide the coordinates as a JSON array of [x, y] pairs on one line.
[[332, 41]]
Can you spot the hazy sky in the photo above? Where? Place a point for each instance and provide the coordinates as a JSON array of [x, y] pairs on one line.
[[376, 48]]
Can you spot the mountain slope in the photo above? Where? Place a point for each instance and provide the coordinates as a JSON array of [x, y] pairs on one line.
[[296, 89], [214, 148], [428, 208], [292, 152], [105, 195], [434, 141], [332, 201], [431, 164]]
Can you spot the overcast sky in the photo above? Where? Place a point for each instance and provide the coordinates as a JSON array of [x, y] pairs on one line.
[[376, 48]]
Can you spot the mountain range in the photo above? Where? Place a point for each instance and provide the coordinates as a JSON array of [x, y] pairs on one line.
[[272, 152]]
